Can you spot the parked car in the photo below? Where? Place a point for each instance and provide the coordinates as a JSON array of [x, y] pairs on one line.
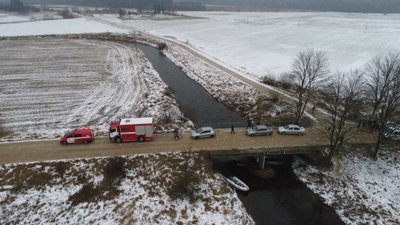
[[82, 135], [259, 130], [291, 129], [203, 132], [393, 135]]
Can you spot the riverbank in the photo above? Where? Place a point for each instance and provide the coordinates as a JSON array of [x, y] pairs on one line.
[[278, 200], [361, 190], [174, 188]]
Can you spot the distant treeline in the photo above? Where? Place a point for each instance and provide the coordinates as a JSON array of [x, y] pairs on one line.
[[367, 6], [139, 4]]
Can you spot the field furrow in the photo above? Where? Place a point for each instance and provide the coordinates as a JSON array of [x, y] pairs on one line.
[[50, 85]]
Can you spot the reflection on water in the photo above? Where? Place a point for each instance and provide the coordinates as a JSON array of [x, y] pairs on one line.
[[281, 200]]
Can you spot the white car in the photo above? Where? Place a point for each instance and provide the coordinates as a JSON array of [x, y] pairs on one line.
[[203, 132], [291, 129]]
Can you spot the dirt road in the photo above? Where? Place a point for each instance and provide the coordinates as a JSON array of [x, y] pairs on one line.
[[101, 147]]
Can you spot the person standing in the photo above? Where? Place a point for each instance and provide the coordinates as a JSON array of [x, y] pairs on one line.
[[232, 129]]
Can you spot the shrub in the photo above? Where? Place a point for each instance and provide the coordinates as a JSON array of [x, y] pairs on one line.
[[114, 171], [284, 83], [66, 14], [162, 46], [121, 12], [185, 182]]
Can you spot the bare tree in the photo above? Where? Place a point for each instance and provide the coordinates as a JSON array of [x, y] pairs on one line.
[[309, 69], [384, 92], [340, 95], [379, 74]]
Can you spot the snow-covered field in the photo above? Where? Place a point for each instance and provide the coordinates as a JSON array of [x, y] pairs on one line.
[[62, 26], [361, 190], [6, 18], [40, 193], [265, 43], [49, 85]]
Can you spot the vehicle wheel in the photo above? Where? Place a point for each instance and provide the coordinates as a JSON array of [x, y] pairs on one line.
[[85, 142], [251, 135], [212, 136], [300, 134], [117, 140], [197, 137], [64, 143], [141, 139], [283, 133]]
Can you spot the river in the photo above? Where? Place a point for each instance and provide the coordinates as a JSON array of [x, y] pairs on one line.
[[281, 200], [194, 101]]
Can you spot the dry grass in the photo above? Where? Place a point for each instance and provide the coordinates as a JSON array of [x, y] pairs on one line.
[[24, 177], [158, 180], [3, 131]]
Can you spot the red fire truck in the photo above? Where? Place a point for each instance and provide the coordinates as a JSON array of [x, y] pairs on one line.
[[81, 135], [131, 129]]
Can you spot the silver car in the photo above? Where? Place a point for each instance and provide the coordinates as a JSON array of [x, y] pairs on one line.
[[259, 130], [291, 129], [203, 132]]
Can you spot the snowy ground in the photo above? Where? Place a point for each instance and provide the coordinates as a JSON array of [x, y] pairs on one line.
[[62, 26], [40, 193], [361, 190], [241, 97], [49, 85], [265, 43], [6, 18]]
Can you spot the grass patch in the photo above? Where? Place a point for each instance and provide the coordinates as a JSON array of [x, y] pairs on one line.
[[87, 193]]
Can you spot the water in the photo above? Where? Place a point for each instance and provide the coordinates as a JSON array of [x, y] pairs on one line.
[[194, 101], [281, 200]]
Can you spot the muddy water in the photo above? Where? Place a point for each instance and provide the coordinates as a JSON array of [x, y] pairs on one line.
[[281, 200], [195, 102]]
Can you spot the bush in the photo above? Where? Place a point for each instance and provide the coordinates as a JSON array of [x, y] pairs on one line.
[[168, 92], [66, 14], [162, 46], [121, 12], [185, 182], [284, 83], [114, 171]]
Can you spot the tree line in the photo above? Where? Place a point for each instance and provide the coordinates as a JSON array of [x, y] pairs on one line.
[[138, 4], [367, 6], [377, 88]]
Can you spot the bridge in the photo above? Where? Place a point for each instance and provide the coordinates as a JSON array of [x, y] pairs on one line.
[[223, 145]]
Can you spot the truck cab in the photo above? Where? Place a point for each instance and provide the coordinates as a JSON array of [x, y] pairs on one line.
[[81, 135], [113, 131]]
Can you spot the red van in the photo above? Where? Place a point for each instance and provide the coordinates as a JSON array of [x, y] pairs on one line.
[[82, 135]]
